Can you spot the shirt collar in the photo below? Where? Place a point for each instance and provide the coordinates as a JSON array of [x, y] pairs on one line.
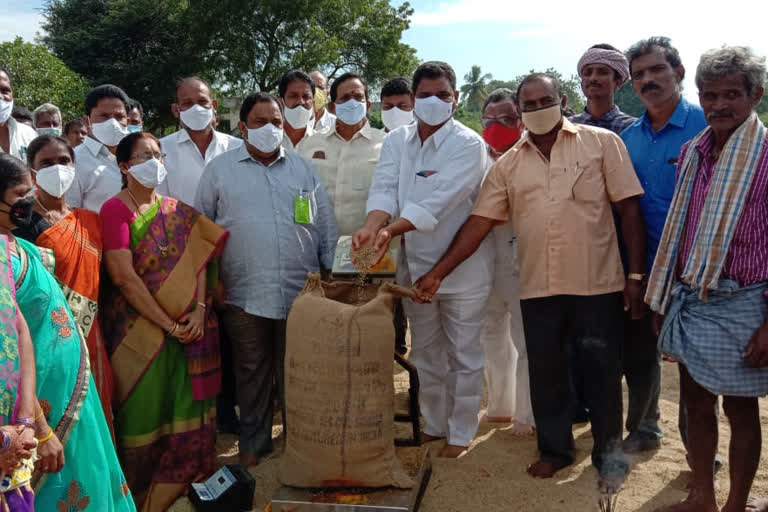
[[243, 155], [679, 116], [608, 116], [365, 131], [94, 146], [439, 136], [183, 136]]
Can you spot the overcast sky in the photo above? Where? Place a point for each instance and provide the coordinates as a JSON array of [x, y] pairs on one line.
[[508, 39]]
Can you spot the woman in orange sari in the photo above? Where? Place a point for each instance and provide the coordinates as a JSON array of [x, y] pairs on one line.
[[74, 235]]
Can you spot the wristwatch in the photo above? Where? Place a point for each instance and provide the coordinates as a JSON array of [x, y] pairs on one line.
[[636, 277]]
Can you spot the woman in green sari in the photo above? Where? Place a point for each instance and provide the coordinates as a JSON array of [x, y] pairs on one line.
[[85, 474], [160, 329]]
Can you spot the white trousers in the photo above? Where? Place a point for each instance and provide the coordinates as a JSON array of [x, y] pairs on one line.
[[503, 337], [446, 351]]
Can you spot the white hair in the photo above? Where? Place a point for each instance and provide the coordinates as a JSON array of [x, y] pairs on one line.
[[46, 108], [732, 59]]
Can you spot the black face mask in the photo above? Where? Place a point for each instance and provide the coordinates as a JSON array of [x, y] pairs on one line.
[[21, 211]]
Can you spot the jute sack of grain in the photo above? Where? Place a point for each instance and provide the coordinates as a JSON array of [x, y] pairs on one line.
[[339, 390]]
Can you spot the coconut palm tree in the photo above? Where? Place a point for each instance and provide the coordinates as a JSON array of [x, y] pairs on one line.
[[473, 91]]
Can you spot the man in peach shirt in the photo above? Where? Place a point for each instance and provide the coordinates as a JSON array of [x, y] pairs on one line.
[[556, 186]]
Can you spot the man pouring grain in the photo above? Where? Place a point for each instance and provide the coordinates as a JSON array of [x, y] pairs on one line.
[[425, 183]]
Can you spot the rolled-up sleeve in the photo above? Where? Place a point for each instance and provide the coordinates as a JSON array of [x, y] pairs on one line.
[[386, 178], [493, 202], [453, 184], [620, 178]]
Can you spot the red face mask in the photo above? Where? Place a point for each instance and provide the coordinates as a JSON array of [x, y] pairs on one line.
[[500, 137]]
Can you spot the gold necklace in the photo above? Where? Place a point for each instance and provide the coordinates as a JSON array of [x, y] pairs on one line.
[[163, 248]]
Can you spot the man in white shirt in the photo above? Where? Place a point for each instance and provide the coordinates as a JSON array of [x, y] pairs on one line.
[[197, 142], [396, 104], [14, 136], [425, 184], [297, 94], [47, 120], [346, 156], [324, 120], [97, 176]]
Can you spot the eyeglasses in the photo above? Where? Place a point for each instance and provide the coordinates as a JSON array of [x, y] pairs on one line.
[[508, 121], [148, 156]]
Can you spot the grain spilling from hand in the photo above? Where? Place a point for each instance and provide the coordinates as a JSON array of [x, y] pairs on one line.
[[363, 260]]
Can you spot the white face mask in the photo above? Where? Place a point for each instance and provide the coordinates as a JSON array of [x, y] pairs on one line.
[[196, 117], [56, 132], [432, 110], [395, 118], [266, 139], [109, 133], [298, 116], [56, 179], [351, 111], [542, 120], [6, 107], [150, 173]]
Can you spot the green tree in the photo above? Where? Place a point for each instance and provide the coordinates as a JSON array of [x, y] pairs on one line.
[[762, 109], [627, 101], [240, 45], [39, 77], [571, 87], [253, 49], [469, 118], [474, 89], [139, 45]]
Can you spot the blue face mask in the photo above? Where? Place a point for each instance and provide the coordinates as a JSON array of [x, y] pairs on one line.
[[134, 128]]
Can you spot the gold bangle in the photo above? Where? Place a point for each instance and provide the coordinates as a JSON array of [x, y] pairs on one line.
[[39, 415], [202, 305], [47, 437]]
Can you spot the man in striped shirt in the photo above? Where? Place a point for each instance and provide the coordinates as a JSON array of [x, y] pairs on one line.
[[710, 276]]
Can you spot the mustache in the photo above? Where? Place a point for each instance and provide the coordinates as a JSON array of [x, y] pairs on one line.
[[596, 84], [650, 86], [721, 114]]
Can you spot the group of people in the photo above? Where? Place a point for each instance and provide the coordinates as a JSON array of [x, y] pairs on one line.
[[146, 282]]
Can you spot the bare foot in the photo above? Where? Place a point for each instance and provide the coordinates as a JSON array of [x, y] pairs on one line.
[[542, 469], [757, 505], [522, 429], [426, 438], [689, 506], [452, 451]]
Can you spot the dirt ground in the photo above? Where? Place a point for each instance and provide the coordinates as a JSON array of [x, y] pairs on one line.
[[491, 477]]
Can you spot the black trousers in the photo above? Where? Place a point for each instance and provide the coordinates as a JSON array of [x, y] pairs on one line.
[[551, 324]]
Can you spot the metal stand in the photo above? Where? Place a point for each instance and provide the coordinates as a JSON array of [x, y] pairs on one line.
[[290, 499], [413, 404]]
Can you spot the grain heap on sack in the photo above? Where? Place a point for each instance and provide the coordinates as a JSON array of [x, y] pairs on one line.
[[339, 394]]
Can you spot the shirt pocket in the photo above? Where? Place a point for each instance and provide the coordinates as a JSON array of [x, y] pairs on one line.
[[588, 182]]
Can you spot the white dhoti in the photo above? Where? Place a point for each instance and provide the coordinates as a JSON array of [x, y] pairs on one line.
[[503, 338]]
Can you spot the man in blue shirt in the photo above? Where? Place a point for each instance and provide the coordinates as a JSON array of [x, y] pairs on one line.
[[654, 142]]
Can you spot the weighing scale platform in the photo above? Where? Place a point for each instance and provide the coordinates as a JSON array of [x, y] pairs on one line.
[[291, 499]]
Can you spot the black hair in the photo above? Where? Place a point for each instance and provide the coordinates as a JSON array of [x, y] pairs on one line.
[[500, 95], [343, 78], [125, 149], [134, 104], [396, 86], [652, 44], [12, 171], [533, 77], [20, 113], [8, 73], [43, 140], [294, 75], [100, 92], [253, 99], [72, 124], [434, 69]]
